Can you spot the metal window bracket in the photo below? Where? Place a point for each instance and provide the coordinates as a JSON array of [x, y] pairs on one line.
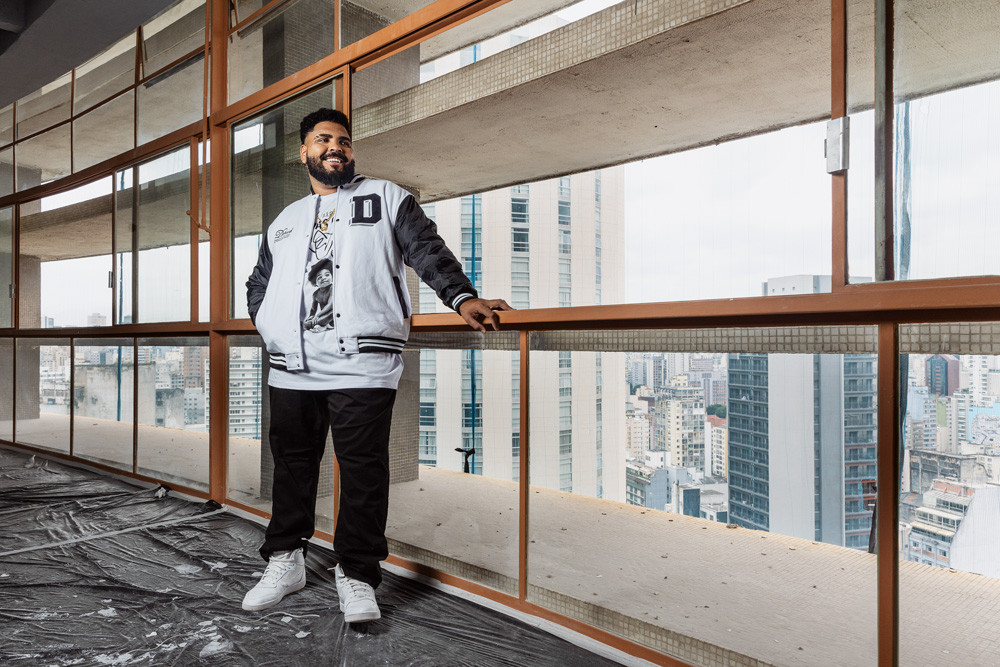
[[836, 146]]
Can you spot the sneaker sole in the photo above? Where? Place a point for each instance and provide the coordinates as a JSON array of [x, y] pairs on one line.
[[268, 605], [362, 616]]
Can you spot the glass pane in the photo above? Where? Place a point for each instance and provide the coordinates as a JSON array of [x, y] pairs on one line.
[[245, 8], [949, 509], [45, 107], [7, 124], [721, 472], [266, 177], [104, 132], [124, 252], [174, 32], [173, 410], [861, 175], [43, 393], [163, 238], [65, 258], [379, 81], [777, 182], [444, 404], [285, 41], [363, 17], [43, 158], [947, 150], [861, 199], [607, 228], [250, 467], [172, 100], [6, 172], [204, 276], [7, 389], [6, 267], [103, 404], [103, 76], [204, 245], [499, 30]]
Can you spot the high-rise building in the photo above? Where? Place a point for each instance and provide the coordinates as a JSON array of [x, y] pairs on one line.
[[554, 243], [815, 414], [245, 384], [717, 443], [679, 424], [637, 434], [956, 421], [942, 374]]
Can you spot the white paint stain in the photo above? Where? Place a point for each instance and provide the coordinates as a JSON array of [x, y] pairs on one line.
[[286, 619], [300, 635], [105, 659], [215, 647], [242, 628], [108, 613], [188, 569]]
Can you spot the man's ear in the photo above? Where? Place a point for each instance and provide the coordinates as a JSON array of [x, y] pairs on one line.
[[302, 153]]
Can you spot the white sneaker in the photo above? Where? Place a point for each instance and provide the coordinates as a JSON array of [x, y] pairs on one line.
[[285, 573], [357, 599]]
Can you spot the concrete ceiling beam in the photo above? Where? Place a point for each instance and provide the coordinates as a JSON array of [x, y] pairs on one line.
[[12, 15], [65, 34], [625, 85]]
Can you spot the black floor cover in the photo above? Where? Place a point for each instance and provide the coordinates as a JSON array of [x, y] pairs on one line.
[[94, 571]]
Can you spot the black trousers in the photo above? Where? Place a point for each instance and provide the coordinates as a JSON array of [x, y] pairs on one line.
[[360, 421]]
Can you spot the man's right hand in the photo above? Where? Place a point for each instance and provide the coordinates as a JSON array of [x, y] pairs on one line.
[[476, 311]]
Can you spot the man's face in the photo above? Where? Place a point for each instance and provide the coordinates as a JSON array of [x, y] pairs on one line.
[[328, 154], [324, 278]]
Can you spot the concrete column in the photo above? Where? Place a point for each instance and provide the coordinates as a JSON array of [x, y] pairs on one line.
[[29, 308]]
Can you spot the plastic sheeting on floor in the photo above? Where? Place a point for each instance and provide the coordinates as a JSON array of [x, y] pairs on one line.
[[94, 571]]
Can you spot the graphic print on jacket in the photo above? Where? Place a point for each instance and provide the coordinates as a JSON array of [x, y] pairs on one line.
[[320, 315], [318, 287]]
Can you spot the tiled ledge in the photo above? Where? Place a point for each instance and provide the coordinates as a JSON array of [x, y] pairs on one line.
[[695, 590]]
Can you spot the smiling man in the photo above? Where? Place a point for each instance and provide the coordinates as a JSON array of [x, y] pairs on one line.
[[329, 299]]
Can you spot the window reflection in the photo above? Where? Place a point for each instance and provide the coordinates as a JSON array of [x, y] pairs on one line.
[[65, 258], [103, 404]]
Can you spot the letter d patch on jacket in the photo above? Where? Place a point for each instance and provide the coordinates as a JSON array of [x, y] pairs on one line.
[[366, 210]]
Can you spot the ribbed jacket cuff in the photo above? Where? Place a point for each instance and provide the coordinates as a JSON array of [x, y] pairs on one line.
[[457, 301]]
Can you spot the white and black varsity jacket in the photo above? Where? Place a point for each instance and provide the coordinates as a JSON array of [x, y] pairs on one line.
[[378, 227]]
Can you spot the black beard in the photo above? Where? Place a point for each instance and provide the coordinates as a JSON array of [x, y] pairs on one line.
[[330, 179]]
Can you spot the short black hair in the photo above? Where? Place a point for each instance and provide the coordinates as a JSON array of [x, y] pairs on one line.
[[319, 266], [321, 116]]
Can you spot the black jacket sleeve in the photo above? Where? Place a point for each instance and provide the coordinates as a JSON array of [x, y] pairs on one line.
[[257, 283], [425, 251]]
